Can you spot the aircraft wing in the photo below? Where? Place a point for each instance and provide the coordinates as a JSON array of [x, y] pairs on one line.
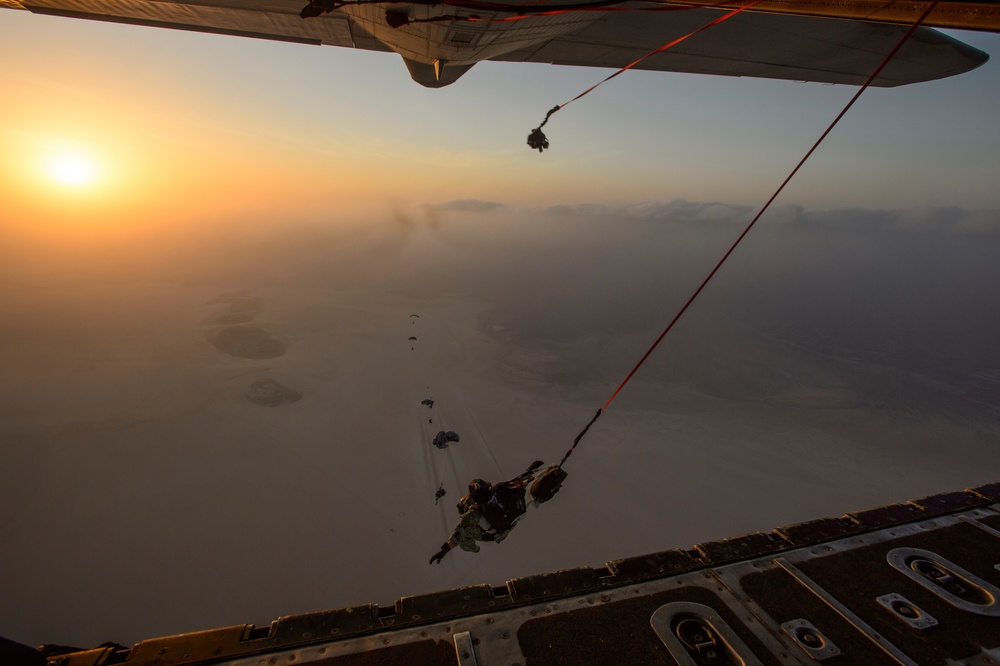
[[267, 19], [760, 45], [750, 44]]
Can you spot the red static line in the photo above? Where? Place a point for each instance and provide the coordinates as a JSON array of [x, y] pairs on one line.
[[774, 196], [556, 12], [664, 48], [671, 8], [508, 19], [633, 64], [494, 6]]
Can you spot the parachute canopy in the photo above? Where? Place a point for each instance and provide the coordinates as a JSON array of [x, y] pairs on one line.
[[442, 438]]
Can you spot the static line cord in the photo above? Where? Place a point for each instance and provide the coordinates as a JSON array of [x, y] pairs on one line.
[[536, 9], [774, 196], [537, 139]]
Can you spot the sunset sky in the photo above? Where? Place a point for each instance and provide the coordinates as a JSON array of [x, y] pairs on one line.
[[188, 127]]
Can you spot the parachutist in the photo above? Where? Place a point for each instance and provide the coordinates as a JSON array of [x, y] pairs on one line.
[[442, 438], [537, 140], [489, 512], [439, 494]]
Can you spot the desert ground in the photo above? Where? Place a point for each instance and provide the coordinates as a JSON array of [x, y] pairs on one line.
[[187, 448]]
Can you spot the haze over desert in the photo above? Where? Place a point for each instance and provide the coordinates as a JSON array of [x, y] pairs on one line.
[[213, 428]]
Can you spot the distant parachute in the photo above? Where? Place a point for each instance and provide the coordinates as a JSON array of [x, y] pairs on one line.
[[442, 438], [429, 402], [415, 315], [413, 337]]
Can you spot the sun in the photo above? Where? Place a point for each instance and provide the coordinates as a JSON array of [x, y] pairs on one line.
[[72, 170]]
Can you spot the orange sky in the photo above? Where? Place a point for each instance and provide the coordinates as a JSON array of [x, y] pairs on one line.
[[182, 128]]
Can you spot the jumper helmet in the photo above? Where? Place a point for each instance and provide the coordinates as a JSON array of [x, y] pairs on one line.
[[479, 490]]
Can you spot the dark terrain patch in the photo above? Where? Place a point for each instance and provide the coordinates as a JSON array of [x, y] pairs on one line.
[[270, 393], [247, 342]]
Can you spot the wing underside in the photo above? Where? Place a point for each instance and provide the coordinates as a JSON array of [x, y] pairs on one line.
[[761, 45], [756, 45], [260, 20]]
